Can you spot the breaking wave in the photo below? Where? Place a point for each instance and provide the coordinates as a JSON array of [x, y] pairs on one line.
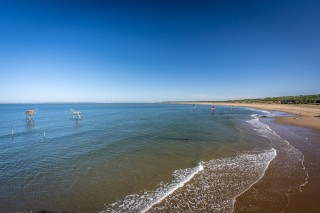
[[211, 186]]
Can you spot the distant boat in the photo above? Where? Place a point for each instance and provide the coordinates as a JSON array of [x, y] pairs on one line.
[[194, 107], [212, 108]]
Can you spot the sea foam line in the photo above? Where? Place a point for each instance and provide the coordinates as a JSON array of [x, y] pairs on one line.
[[171, 190], [264, 111], [261, 127], [221, 181], [211, 178], [144, 202], [261, 176]]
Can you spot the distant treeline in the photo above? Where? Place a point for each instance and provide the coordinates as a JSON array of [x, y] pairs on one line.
[[300, 99]]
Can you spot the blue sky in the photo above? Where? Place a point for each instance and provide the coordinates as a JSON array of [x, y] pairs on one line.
[[146, 51]]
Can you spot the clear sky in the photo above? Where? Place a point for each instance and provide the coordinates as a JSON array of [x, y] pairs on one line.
[[146, 51]]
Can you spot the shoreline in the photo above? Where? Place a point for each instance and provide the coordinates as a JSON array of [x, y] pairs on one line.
[[305, 115], [308, 117]]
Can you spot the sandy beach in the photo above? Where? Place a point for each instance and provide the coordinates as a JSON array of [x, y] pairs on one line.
[[305, 115]]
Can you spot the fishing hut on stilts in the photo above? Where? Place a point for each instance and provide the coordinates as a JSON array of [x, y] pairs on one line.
[[76, 114], [30, 114]]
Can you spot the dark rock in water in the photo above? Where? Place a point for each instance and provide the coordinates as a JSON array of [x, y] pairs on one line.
[[264, 116], [178, 139]]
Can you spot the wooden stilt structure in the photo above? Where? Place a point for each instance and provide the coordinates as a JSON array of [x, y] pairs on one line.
[[30, 114], [76, 114]]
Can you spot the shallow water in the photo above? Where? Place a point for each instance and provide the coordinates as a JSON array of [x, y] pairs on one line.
[[143, 157]]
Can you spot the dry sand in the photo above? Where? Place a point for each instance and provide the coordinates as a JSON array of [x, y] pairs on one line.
[[305, 115]]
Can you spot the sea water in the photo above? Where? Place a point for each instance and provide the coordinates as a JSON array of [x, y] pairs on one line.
[[144, 158]]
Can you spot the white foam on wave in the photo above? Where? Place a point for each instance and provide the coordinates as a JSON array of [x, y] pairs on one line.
[[264, 111], [174, 188], [263, 129], [215, 185], [145, 201], [262, 174], [259, 110], [254, 115], [291, 161], [306, 179]]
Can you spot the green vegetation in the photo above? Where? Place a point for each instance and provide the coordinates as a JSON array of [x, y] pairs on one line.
[[300, 99]]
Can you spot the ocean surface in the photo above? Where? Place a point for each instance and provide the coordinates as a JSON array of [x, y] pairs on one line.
[[147, 158]]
